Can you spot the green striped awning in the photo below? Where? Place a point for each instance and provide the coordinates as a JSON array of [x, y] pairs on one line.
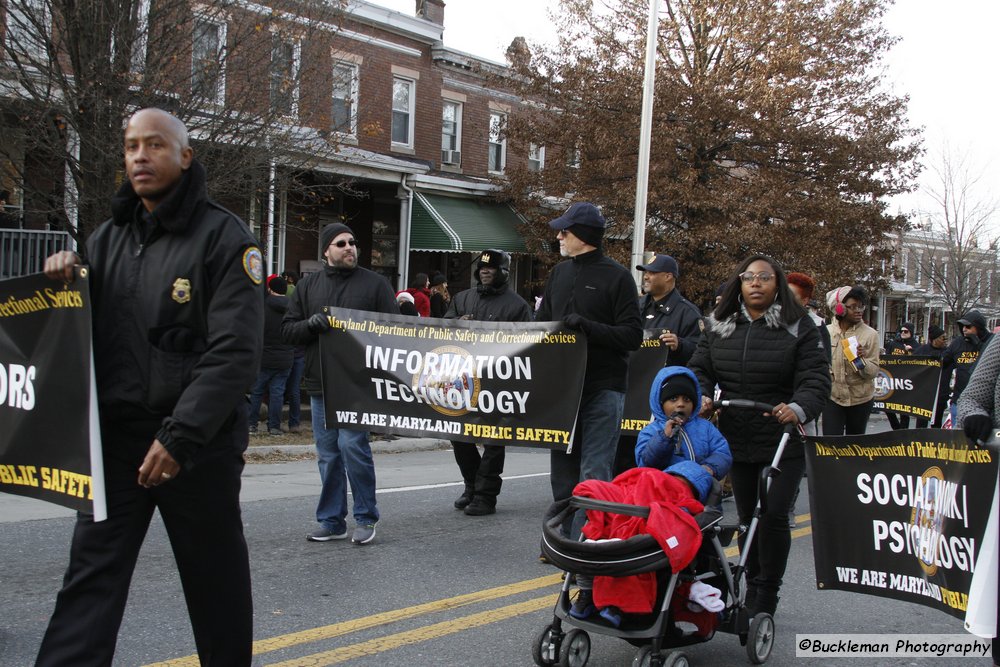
[[453, 224]]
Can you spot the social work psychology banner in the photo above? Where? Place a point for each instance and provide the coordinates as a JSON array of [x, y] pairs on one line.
[[500, 383], [49, 434], [907, 385], [902, 514]]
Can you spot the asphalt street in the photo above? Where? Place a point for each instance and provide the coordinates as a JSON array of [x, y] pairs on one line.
[[436, 588]]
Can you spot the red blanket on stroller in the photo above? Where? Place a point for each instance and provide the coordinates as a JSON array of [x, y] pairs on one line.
[[674, 528]]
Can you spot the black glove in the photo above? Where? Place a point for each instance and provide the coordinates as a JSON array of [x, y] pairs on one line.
[[575, 322], [978, 428], [318, 323]]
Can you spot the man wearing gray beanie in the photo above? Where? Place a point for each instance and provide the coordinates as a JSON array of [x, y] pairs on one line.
[[343, 284], [595, 296]]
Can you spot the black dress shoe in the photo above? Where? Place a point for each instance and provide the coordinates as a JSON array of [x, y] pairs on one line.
[[479, 507], [463, 500]]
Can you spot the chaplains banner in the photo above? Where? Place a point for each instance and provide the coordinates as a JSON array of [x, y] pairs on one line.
[[903, 514], [50, 445], [643, 365], [496, 383], [908, 385]]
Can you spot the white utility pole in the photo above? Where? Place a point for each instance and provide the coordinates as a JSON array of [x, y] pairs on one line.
[[645, 132]]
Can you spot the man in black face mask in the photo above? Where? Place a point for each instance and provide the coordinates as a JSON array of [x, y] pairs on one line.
[[962, 354], [491, 300]]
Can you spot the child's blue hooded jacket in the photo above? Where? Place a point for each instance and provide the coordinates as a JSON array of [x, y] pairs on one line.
[[698, 436]]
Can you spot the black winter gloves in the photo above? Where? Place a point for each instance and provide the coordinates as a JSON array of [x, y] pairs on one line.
[[978, 428], [575, 322], [318, 323]]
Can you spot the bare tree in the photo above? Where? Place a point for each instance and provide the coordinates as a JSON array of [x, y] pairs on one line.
[[233, 71], [960, 244]]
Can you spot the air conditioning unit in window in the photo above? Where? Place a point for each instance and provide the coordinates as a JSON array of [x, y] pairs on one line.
[[451, 157]]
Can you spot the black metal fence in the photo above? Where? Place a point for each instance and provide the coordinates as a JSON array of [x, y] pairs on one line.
[[23, 251]]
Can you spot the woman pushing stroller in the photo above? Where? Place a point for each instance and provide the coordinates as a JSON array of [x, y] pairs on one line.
[[760, 344]]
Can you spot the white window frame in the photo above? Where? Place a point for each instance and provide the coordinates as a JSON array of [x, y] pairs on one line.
[[278, 38], [21, 35], [536, 157], [456, 137], [497, 138], [222, 33], [353, 86], [411, 84]]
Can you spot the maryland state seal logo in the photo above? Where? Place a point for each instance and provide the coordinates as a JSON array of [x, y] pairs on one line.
[[182, 290]]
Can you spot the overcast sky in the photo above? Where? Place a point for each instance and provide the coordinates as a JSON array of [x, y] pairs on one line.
[[945, 62]]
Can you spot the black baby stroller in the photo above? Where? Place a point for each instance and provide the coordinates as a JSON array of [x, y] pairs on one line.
[[662, 629]]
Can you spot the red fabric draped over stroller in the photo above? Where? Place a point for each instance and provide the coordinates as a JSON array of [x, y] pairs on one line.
[[673, 528]]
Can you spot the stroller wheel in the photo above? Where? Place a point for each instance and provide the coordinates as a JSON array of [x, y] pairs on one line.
[[760, 639], [575, 649], [545, 648]]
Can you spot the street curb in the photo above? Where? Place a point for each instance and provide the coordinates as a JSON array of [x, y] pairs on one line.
[[378, 447]]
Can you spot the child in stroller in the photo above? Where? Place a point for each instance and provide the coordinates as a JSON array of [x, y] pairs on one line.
[[697, 454], [680, 443]]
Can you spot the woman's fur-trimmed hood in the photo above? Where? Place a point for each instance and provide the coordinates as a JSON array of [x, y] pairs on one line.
[[772, 320]]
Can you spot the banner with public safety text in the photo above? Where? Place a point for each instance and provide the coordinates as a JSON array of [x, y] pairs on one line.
[[902, 514], [495, 383], [50, 446], [908, 385]]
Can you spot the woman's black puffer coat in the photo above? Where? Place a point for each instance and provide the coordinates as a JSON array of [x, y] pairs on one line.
[[763, 360]]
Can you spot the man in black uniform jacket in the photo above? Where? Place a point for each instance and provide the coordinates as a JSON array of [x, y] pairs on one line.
[[492, 300], [177, 305]]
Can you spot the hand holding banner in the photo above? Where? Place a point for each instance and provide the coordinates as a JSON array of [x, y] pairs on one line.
[[48, 404]]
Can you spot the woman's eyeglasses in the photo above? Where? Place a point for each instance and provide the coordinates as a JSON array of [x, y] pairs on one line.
[[750, 276], [342, 244]]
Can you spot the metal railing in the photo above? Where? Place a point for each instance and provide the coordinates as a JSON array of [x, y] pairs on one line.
[[23, 251]]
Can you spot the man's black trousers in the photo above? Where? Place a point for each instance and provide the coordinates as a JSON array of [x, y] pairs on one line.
[[201, 513]]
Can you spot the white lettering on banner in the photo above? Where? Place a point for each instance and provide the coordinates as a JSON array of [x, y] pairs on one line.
[[486, 402], [16, 388], [926, 543], [447, 364], [911, 491]]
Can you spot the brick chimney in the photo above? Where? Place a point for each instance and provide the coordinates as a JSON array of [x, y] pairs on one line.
[[432, 10]]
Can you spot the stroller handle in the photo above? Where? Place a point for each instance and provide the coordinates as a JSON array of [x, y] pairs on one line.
[[750, 405], [744, 403]]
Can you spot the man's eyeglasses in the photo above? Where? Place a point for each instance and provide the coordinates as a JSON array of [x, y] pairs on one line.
[[342, 244], [750, 276], [856, 308]]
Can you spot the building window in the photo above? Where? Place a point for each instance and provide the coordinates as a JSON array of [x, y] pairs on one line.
[[498, 143], [284, 75], [27, 27], [451, 133], [536, 157], [344, 113], [402, 111], [208, 75]]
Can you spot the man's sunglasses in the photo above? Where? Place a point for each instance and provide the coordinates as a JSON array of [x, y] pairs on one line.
[[341, 244]]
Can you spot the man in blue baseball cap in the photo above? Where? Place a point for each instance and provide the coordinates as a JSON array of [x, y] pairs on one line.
[[595, 295], [664, 310]]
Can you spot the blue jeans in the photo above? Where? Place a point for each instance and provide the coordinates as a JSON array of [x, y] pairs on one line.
[[340, 450], [293, 390], [273, 381], [598, 424]]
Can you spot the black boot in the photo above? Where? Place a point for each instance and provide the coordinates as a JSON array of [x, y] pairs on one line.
[[765, 600], [463, 500], [481, 507]]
